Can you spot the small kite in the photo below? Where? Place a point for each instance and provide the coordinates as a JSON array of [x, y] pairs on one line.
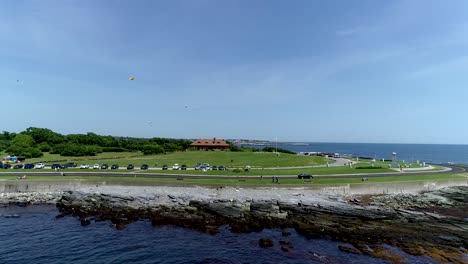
[[131, 78]]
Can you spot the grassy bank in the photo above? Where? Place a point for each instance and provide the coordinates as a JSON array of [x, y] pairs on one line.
[[231, 172], [234, 181], [190, 158]]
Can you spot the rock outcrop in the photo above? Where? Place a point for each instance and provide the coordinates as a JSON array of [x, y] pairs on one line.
[[29, 198], [432, 223]]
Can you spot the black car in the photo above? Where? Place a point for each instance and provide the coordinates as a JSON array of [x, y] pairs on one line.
[[164, 167], [114, 167], [221, 168], [304, 176], [55, 166], [130, 167], [214, 168], [144, 167], [6, 166], [183, 167], [104, 166], [28, 166], [70, 165], [18, 166]]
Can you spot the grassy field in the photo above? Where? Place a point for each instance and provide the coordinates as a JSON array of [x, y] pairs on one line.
[[190, 158], [231, 172], [256, 181]]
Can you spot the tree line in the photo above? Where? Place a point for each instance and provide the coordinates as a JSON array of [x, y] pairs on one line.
[[32, 142]]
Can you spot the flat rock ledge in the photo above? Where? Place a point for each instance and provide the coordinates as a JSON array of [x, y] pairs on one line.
[[29, 198], [431, 224]]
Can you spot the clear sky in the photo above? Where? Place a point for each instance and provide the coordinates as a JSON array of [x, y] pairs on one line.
[[323, 71]]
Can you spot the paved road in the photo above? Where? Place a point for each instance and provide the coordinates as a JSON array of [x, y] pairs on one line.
[[453, 169]]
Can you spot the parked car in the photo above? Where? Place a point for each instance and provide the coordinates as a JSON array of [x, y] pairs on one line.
[[144, 167], [1, 165], [183, 167], [96, 166], [165, 167], [214, 168], [55, 166], [114, 166], [197, 166], [176, 166], [71, 164], [104, 166], [84, 166], [130, 167], [304, 176], [18, 166], [204, 168], [39, 165], [28, 166], [221, 168], [6, 166]]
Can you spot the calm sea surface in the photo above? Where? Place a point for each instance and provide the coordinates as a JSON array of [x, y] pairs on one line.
[[408, 152], [37, 237]]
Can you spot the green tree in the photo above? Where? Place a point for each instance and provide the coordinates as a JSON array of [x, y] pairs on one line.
[[44, 135], [152, 149], [44, 147], [232, 146]]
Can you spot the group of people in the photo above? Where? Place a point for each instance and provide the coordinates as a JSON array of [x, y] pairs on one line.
[[22, 177], [274, 179]]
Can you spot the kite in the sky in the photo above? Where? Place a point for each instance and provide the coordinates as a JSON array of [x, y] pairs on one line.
[[131, 78]]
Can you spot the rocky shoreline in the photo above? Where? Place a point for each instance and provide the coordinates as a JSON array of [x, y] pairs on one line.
[[432, 223]]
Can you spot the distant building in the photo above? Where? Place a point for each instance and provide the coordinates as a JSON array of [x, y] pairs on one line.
[[210, 144]]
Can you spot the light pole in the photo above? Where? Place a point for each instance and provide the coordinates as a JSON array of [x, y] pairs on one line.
[[276, 145]]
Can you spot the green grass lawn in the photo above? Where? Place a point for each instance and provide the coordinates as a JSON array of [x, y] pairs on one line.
[[386, 163], [190, 158], [56, 158], [256, 181], [252, 172], [258, 172]]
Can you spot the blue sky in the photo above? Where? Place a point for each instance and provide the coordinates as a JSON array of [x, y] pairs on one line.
[[323, 71]]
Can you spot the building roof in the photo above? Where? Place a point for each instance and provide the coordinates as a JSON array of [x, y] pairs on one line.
[[213, 142]]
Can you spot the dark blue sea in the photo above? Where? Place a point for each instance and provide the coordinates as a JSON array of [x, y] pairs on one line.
[[37, 237], [431, 153]]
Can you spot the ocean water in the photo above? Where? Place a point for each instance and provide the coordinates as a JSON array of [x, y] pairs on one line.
[[432, 153], [37, 237]]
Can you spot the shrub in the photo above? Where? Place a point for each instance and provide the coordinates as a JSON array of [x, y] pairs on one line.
[[75, 150], [236, 170], [152, 149], [368, 167], [113, 149], [44, 147], [272, 149]]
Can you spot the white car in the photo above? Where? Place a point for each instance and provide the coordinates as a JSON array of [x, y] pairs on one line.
[[96, 166], [39, 166], [176, 166], [84, 166]]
